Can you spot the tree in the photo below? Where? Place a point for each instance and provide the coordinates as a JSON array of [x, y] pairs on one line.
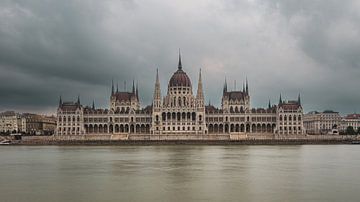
[[350, 131]]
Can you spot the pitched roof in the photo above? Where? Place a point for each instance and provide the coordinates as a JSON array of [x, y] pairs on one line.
[[235, 95]]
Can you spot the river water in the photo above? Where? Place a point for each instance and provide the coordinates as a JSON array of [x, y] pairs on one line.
[[180, 173]]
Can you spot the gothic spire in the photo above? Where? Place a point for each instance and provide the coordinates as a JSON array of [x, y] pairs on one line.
[[269, 106], [157, 92], [243, 89], [137, 90], [60, 101], [200, 94], [179, 65], [112, 87], [133, 87], [280, 99], [247, 87], [117, 87], [299, 99], [93, 105], [225, 86], [78, 100]]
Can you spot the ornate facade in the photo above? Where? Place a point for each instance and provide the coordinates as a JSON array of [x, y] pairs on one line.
[[180, 112]]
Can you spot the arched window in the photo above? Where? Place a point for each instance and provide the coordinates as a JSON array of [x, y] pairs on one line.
[[193, 116]]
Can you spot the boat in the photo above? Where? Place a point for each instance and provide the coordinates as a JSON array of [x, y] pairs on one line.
[[5, 142]]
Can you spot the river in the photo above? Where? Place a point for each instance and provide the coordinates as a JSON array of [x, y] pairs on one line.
[[180, 173]]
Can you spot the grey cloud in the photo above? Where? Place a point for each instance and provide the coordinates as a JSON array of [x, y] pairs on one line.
[[53, 48]]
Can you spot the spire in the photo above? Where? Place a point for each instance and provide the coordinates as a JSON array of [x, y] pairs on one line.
[[299, 99], [78, 100], [60, 101], [280, 99], [247, 87], [179, 65], [269, 104], [157, 92], [133, 87], [225, 86], [93, 105], [112, 87], [243, 90], [137, 90], [200, 94], [117, 87]]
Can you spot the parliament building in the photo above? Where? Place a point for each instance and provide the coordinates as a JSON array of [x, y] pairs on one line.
[[180, 113]]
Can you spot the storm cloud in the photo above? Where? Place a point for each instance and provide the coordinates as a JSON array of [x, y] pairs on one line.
[[51, 48]]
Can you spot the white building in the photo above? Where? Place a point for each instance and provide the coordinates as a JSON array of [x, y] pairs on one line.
[[180, 112], [327, 122], [352, 120], [11, 122]]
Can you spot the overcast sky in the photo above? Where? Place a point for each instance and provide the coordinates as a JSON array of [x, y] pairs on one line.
[[69, 47]]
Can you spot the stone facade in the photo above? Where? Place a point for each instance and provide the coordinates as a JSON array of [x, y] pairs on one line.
[[352, 120], [11, 122], [327, 122], [180, 113]]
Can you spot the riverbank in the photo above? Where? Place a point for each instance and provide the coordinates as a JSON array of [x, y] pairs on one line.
[[219, 139]]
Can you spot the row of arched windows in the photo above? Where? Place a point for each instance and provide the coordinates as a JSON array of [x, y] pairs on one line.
[[290, 117]]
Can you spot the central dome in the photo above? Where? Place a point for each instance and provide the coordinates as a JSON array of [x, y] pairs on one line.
[[180, 78]]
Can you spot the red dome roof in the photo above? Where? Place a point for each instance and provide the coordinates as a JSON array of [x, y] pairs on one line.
[[180, 78]]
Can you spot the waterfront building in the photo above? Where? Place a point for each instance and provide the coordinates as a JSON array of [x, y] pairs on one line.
[[326, 122], [180, 113], [352, 120], [11, 122], [37, 124]]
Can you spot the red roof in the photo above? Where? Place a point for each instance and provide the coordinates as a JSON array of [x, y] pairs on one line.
[[352, 116], [124, 96], [180, 78], [290, 105], [235, 95]]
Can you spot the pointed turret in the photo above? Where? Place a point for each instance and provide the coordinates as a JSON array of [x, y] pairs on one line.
[[243, 89], [269, 106], [200, 93], [137, 90], [78, 100], [299, 99], [93, 105], [280, 99], [157, 92], [247, 87], [112, 87], [179, 64], [225, 87], [60, 101], [133, 87], [117, 87]]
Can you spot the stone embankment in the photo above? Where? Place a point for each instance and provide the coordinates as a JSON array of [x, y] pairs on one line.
[[213, 139]]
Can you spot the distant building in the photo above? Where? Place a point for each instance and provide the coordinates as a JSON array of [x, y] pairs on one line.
[[327, 122], [11, 122], [350, 120], [39, 124], [180, 112]]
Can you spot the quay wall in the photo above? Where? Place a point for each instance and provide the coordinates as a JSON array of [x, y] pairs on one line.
[[221, 139]]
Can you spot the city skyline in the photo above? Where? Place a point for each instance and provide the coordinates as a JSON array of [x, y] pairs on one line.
[[54, 49]]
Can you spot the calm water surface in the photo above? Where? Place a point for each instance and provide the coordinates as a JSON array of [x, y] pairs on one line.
[[180, 173]]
